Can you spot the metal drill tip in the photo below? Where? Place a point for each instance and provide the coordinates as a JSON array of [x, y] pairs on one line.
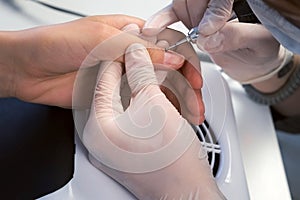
[[191, 37], [170, 47], [177, 44]]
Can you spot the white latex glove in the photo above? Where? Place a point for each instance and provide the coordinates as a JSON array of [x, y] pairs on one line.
[[245, 51], [148, 148], [184, 60], [208, 15], [193, 110]]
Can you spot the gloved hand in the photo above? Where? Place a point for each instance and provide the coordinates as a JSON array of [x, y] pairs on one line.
[[245, 51], [194, 110], [188, 65], [148, 147], [208, 15]]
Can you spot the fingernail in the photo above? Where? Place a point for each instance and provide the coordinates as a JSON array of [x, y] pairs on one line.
[[172, 58]]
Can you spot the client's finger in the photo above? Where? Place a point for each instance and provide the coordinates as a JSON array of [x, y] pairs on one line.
[[191, 68], [118, 41]]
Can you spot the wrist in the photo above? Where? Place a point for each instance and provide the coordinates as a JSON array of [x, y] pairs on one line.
[[269, 69], [8, 60], [283, 93], [278, 80]]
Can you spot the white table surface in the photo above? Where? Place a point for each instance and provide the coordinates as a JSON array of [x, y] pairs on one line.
[[260, 152]]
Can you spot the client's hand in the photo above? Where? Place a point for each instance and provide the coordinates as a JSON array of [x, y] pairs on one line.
[[148, 147], [42, 62]]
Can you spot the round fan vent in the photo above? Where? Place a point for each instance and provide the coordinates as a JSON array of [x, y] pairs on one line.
[[210, 144]]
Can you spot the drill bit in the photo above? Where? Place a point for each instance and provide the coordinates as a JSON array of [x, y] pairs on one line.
[[191, 37]]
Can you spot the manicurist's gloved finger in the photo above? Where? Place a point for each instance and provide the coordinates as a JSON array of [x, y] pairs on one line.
[[215, 16], [188, 12], [177, 88], [208, 15], [139, 68], [159, 21], [107, 93]]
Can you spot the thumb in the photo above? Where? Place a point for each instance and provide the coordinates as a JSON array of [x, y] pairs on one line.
[[216, 15], [159, 21], [139, 68]]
